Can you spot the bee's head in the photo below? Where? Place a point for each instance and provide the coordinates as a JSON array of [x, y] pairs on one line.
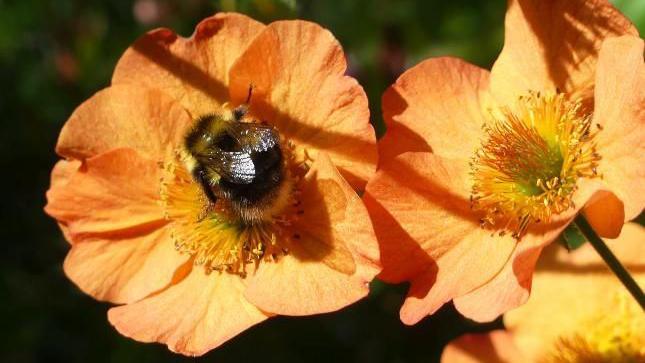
[[240, 111]]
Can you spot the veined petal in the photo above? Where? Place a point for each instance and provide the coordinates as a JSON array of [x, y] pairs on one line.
[[113, 193], [145, 120], [61, 173], [193, 71], [333, 258], [446, 254], [512, 286], [197, 314], [126, 269], [554, 44], [509, 289], [297, 72], [437, 106], [620, 110]]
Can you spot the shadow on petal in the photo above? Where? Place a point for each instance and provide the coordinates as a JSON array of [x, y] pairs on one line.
[[154, 47]]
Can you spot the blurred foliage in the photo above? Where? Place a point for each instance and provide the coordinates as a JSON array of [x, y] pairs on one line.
[[572, 238], [56, 54]]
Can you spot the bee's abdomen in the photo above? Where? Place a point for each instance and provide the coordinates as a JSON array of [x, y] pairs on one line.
[[269, 175]]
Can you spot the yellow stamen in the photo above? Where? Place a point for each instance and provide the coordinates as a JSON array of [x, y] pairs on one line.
[[526, 170], [616, 336]]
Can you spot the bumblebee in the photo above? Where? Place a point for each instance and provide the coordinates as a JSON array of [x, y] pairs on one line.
[[240, 162]]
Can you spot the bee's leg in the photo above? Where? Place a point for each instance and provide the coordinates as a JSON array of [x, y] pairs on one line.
[[202, 179], [200, 176]]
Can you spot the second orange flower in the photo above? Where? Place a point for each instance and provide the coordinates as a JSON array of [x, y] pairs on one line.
[[480, 170]]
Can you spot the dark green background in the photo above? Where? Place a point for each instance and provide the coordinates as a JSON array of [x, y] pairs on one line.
[[55, 54]]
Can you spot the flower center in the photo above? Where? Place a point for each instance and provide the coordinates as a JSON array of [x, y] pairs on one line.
[[527, 168], [613, 337], [218, 236]]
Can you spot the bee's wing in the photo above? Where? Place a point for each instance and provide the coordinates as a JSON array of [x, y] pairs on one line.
[[233, 166], [253, 137]]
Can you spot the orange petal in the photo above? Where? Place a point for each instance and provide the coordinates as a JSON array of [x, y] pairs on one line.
[[426, 196], [297, 70], [61, 173], [435, 106], [113, 193], [554, 44], [335, 257], [126, 269], [193, 71], [579, 297], [192, 317], [494, 347], [620, 109], [124, 116], [325, 206], [512, 286], [606, 214], [507, 290]]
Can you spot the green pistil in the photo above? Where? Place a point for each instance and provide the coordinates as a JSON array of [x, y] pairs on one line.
[[550, 166]]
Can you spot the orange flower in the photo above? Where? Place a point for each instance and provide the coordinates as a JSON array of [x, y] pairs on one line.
[[578, 312], [193, 273], [463, 210]]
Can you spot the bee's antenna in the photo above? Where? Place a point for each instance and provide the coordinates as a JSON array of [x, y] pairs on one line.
[[248, 97]]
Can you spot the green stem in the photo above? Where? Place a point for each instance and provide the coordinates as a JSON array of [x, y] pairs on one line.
[[611, 260]]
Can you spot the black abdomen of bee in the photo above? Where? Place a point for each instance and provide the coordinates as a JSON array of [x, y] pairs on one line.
[[268, 176]]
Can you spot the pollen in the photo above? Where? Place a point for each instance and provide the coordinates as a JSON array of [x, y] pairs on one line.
[[213, 234], [526, 169], [616, 336]]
